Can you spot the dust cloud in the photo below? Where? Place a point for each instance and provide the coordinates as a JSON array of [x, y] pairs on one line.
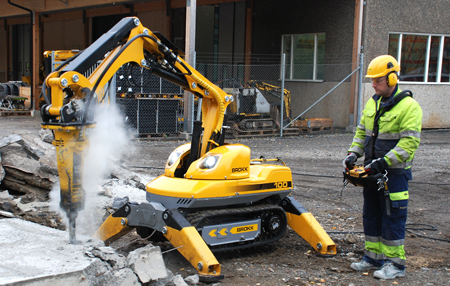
[[108, 141]]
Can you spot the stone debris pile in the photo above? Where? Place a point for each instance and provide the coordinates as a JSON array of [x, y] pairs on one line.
[[28, 172]]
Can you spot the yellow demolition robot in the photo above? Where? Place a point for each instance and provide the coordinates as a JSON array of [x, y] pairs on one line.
[[211, 197]]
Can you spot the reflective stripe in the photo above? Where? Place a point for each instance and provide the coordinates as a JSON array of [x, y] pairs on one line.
[[378, 248], [356, 149], [395, 253], [409, 133], [362, 126], [403, 165], [402, 153], [399, 196], [369, 132], [372, 238], [359, 140], [375, 256], [397, 260], [398, 242], [389, 136], [393, 158]]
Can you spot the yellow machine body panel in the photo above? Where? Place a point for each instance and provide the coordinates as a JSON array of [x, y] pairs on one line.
[[224, 162], [266, 178]]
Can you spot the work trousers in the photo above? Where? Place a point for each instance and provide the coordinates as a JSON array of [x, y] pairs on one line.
[[385, 234]]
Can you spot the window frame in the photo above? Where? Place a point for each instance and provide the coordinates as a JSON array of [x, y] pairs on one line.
[[291, 62], [427, 56]]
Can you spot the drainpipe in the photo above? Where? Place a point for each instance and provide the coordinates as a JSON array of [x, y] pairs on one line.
[[31, 50]]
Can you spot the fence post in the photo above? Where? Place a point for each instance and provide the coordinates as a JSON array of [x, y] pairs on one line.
[[191, 97], [360, 83], [283, 60]]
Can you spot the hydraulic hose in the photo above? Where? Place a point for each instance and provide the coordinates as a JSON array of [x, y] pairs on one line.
[[218, 99]]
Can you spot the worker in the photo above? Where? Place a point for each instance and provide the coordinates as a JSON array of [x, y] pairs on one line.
[[388, 136]]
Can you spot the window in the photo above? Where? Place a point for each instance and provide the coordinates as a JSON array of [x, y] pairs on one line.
[[305, 55], [423, 58]]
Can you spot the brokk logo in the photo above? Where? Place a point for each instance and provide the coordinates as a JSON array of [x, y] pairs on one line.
[[243, 169], [245, 228]]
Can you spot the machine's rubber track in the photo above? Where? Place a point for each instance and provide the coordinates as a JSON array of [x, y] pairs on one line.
[[270, 215]]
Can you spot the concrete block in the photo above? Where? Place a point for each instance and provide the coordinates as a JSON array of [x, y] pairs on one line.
[[76, 278], [5, 141], [168, 281], [125, 277], [179, 281], [98, 273], [109, 255], [33, 254], [147, 263], [192, 280]]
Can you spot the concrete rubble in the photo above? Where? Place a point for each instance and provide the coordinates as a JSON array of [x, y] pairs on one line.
[[34, 248], [32, 254]]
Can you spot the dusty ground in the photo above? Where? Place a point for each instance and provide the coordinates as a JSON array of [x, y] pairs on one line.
[[315, 161]]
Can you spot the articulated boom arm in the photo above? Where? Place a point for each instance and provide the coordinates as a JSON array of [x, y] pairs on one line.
[[68, 109], [129, 42]]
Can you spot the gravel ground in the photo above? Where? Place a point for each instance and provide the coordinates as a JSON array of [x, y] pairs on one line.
[[315, 161]]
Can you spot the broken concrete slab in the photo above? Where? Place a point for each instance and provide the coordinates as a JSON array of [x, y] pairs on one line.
[[2, 171], [31, 206], [147, 263], [7, 214], [125, 277], [46, 135], [109, 255], [30, 252], [179, 281], [192, 280], [5, 141]]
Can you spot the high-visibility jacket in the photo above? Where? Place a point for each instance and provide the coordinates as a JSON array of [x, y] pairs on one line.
[[398, 133]]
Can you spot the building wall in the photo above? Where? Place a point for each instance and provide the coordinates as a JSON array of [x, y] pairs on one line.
[[382, 17], [63, 35], [272, 19], [434, 100], [2, 54], [155, 21]]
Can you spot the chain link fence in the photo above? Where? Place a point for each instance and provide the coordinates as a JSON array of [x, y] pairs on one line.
[[264, 104], [152, 106]]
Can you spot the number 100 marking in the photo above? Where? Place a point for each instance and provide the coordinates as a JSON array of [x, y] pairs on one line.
[[280, 185]]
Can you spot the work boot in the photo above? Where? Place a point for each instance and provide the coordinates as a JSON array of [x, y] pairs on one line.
[[363, 266], [389, 271]]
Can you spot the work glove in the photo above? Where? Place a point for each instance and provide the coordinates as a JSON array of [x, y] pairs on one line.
[[378, 166], [350, 161]]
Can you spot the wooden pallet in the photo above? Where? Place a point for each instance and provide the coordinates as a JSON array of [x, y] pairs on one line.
[[262, 133], [315, 129], [314, 125], [159, 136]]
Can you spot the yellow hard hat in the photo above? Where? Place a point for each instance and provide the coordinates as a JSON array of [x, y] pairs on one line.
[[382, 66]]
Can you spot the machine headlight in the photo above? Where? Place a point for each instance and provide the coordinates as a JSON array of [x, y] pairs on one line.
[[209, 162], [173, 158]]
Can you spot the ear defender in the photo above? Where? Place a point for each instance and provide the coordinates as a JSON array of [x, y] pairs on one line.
[[392, 77]]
